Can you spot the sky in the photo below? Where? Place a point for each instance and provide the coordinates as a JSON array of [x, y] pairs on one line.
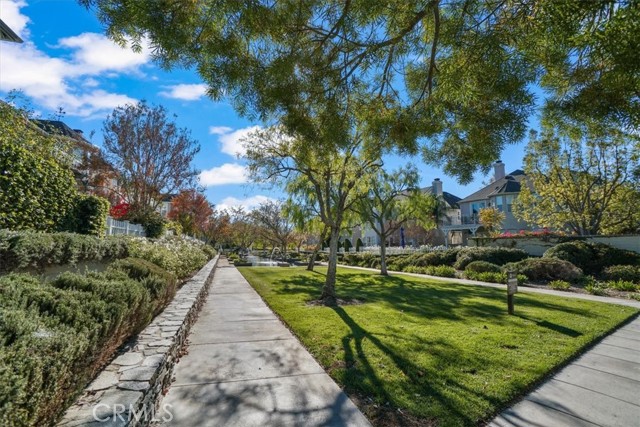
[[67, 62]]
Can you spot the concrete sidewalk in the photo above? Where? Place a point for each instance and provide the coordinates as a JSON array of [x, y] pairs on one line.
[[600, 388], [245, 368]]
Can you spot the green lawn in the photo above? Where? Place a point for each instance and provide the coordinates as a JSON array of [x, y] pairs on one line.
[[444, 354]]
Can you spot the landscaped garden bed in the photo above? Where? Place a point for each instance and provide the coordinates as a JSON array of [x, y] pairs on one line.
[[420, 352], [56, 335], [575, 266]]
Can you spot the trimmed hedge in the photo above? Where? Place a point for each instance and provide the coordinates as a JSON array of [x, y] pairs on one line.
[[24, 249], [54, 337], [483, 267], [547, 269], [493, 277], [592, 257], [628, 273], [88, 215], [439, 270], [37, 187], [498, 256]]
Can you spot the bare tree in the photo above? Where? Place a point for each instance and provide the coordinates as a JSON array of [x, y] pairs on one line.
[[273, 225], [151, 154]]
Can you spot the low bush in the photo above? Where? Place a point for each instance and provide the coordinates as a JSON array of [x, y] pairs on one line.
[[177, 255], [546, 269], [498, 256], [55, 336], [628, 273], [591, 257], [622, 285], [438, 270], [596, 289], [32, 249], [559, 285], [491, 277], [483, 267]]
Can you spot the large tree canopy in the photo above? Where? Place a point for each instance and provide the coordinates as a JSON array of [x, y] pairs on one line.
[[452, 75]]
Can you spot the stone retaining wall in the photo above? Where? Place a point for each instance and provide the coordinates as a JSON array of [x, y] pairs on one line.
[[127, 391]]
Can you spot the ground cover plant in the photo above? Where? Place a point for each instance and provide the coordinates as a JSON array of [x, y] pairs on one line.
[[445, 354], [56, 335]]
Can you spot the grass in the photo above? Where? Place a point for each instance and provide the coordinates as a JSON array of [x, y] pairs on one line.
[[420, 352]]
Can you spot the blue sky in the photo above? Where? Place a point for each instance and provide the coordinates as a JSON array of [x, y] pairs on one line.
[[66, 61]]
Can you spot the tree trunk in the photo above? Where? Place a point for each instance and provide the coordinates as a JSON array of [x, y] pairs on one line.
[[312, 260], [383, 257], [329, 290]]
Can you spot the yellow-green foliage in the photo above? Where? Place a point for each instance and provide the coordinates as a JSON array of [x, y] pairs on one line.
[[36, 187]]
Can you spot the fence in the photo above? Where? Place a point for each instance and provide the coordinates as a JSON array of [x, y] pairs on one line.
[[123, 227]]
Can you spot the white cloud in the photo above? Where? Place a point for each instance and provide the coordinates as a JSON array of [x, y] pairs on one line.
[[69, 83], [232, 140], [228, 173], [186, 92], [10, 14], [249, 203]]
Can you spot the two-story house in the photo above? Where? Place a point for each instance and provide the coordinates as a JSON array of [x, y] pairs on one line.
[[414, 235], [500, 194]]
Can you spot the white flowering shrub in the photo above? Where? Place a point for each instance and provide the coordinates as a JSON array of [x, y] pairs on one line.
[[177, 255]]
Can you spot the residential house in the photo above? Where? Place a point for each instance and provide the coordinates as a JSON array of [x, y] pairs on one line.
[[165, 205], [500, 194], [7, 34], [93, 174], [415, 235]]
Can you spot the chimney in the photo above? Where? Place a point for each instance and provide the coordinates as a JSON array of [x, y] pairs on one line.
[[498, 170], [436, 187]]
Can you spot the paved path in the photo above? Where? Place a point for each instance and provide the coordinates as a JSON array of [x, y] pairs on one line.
[[600, 388], [245, 368]]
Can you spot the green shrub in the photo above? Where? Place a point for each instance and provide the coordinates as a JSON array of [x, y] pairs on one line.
[[209, 251], [622, 285], [31, 249], [629, 273], [442, 271], [559, 285], [152, 222], [498, 256], [347, 245], [88, 215], [445, 257], [55, 336], [591, 257], [177, 255], [359, 245], [596, 289], [491, 277], [483, 267], [543, 269]]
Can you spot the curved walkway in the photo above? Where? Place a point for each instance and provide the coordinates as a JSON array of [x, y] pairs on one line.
[[601, 388], [245, 368]]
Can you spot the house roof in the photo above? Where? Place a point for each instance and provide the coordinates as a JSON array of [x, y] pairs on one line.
[[56, 127], [452, 200], [7, 33], [510, 184]]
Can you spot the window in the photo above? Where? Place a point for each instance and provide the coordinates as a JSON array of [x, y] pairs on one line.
[[510, 199], [499, 204]]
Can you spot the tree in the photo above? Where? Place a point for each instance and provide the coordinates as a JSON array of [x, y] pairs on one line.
[[457, 72], [393, 199], [218, 230], [273, 225], [491, 218], [586, 181], [325, 174], [150, 153], [242, 229], [192, 210]]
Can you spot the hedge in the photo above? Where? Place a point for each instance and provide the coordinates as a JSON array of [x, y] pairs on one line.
[[54, 337], [592, 257], [483, 267], [25, 249], [498, 256], [546, 269], [88, 215], [36, 186]]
